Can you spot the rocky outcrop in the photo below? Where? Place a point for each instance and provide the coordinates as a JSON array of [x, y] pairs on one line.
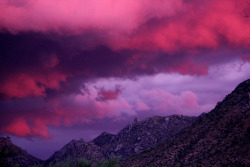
[[11, 155], [218, 138]]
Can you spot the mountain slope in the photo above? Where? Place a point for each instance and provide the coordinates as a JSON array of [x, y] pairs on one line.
[[141, 135], [219, 138], [11, 155]]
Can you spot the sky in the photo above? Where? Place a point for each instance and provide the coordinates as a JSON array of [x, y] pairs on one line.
[[73, 69]]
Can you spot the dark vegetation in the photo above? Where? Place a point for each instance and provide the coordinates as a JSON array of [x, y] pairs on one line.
[[80, 163]]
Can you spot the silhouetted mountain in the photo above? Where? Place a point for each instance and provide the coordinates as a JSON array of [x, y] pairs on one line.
[[134, 138], [10, 155], [218, 138]]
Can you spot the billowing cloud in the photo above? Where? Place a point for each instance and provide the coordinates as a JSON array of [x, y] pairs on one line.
[[20, 127], [25, 85], [145, 25], [63, 43], [141, 106], [32, 117], [81, 115], [162, 101]]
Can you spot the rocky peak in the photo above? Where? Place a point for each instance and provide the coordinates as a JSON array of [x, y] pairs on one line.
[[239, 97], [5, 141], [243, 88], [135, 120]]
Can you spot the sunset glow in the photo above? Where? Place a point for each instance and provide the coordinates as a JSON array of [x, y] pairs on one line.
[[82, 67]]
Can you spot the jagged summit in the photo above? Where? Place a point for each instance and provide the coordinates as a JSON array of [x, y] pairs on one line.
[[5, 141], [239, 96], [243, 87], [136, 120]]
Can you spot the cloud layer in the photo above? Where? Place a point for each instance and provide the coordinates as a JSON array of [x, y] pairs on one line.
[[119, 99], [67, 63]]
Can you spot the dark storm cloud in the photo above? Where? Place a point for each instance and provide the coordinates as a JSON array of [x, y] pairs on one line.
[[36, 64]]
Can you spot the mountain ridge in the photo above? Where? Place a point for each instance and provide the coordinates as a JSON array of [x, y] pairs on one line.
[[100, 149], [132, 139], [219, 138]]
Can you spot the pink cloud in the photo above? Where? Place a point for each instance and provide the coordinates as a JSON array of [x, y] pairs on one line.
[[35, 124], [33, 121], [160, 36], [141, 106], [160, 100], [163, 94], [189, 100], [77, 16], [108, 95], [129, 24], [40, 128], [139, 37], [245, 58], [25, 85], [20, 127], [194, 28], [189, 68]]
